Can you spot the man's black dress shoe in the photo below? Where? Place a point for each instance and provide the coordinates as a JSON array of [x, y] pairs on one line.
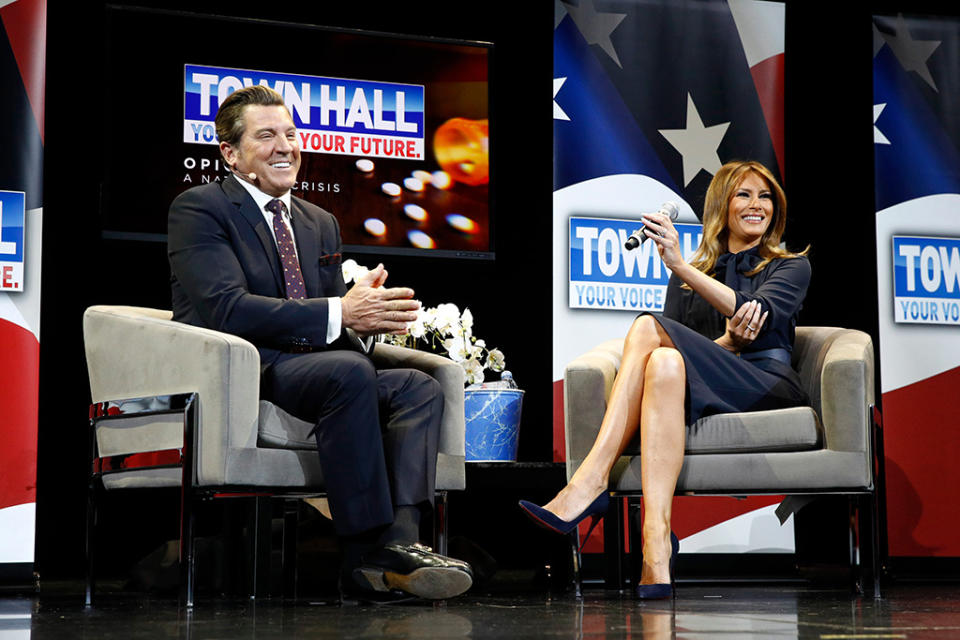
[[408, 569]]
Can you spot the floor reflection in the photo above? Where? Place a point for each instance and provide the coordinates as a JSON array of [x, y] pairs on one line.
[[699, 611], [434, 623], [694, 615]]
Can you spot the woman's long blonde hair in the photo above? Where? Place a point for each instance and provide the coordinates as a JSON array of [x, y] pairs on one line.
[[715, 212]]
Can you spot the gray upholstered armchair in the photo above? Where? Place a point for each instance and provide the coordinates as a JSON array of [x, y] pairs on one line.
[[824, 449], [177, 405]]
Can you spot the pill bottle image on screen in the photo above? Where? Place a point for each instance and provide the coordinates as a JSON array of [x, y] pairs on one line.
[[462, 148]]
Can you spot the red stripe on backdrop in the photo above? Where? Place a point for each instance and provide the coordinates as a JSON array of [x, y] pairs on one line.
[[922, 445], [25, 22], [694, 514], [19, 359], [768, 79]]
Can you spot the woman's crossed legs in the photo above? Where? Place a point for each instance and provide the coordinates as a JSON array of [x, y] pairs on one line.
[[648, 395]]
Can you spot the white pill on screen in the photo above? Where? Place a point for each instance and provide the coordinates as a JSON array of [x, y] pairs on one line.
[[365, 165], [422, 176], [415, 212], [375, 226], [420, 240], [390, 188], [462, 223], [413, 184], [441, 180]]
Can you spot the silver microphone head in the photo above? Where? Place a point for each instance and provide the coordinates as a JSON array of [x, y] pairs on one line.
[[671, 210]]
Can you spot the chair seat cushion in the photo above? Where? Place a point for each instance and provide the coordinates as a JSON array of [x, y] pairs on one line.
[[793, 429], [277, 429]]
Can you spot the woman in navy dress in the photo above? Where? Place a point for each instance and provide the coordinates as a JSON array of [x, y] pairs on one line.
[[722, 345]]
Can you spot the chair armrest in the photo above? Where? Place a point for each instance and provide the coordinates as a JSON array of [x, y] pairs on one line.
[[587, 382], [847, 391], [134, 352], [451, 377]]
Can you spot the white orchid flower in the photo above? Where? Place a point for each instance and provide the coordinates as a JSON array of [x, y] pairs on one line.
[[496, 360], [429, 318], [473, 370], [466, 319], [456, 348], [444, 326], [448, 319], [417, 328]]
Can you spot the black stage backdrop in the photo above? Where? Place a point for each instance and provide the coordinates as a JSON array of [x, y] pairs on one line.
[[828, 79]]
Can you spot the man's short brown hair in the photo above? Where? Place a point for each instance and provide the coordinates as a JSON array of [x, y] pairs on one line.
[[229, 119]]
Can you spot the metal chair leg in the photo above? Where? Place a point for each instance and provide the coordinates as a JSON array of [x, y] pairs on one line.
[[188, 501], [188, 569], [866, 542], [574, 538], [440, 523], [291, 517], [871, 538], [613, 542], [878, 498], [634, 517], [260, 532], [854, 535], [92, 496]]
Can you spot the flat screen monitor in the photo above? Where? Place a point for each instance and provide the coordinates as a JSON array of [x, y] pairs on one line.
[[394, 130]]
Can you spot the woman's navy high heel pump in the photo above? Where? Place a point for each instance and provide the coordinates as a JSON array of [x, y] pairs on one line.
[[595, 510], [661, 590]]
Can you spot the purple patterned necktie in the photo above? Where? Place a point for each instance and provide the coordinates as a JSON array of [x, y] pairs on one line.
[[288, 255]]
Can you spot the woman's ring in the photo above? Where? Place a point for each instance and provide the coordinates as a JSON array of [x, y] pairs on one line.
[[751, 328]]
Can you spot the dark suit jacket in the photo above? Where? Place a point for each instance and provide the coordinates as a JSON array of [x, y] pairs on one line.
[[226, 274]]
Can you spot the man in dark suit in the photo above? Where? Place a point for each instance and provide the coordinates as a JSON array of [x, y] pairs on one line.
[[249, 259]]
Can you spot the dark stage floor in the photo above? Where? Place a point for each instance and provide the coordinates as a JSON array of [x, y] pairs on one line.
[[699, 611]]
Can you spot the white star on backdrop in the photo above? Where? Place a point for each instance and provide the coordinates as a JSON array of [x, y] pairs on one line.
[[912, 54], [595, 26], [878, 137], [558, 113], [697, 144]]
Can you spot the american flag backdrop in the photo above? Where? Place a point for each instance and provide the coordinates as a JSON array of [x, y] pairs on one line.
[[651, 97], [22, 65], [916, 114]]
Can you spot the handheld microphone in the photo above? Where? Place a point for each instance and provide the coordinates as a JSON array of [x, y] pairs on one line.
[[668, 209]]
